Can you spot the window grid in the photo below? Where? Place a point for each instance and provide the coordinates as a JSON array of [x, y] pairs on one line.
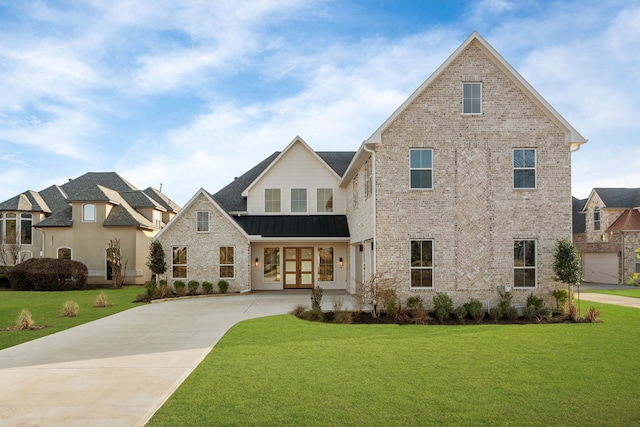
[[524, 168], [298, 200], [421, 169], [421, 264], [596, 219], [179, 262], [472, 98], [325, 200], [202, 221], [272, 200], [524, 264], [227, 262], [325, 264]]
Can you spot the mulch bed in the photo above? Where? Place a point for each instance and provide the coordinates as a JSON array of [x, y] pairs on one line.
[[366, 318]]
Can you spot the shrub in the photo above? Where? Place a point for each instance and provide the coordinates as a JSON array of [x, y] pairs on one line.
[[223, 285], [298, 310], [344, 317], [152, 289], [562, 297], [460, 313], [474, 307], [529, 312], [163, 289], [545, 313], [316, 298], [180, 287], [592, 315], [573, 313], [389, 299], [48, 274], [420, 316], [442, 306], [207, 287], [24, 321], [414, 303], [505, 301], [315, 314], [101, 300], [495, 313], [70, 309], [512, 313], [193, 286], [536, 302]]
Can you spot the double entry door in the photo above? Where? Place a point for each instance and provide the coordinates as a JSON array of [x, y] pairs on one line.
[[298, 268]]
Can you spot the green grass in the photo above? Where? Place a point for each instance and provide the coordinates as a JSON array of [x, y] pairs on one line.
[[283, 371], [45, 308], [631, 292]]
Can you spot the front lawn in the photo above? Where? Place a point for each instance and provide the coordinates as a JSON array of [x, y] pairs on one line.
[[631, 292], [45, 308], [287, 372]]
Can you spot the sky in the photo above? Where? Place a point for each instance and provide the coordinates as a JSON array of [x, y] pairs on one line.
[[183, 95]]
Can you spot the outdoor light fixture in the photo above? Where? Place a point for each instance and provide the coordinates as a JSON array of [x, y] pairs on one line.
[[256, 262], [341, 263]]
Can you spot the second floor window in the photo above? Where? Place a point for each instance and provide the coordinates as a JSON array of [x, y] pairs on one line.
[[524, 168], [471, 98], [272, 200], [421, 168], [596, 219], [298, 200], [325, 199], [89, 213], [202, 221]]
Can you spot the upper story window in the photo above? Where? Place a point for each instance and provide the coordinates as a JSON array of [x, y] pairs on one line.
[[354, 191], [157, 218], [26, 233], [298, 200], [272, 200], [202, 221], [471, 98], [596, 219], [421, 168], [524, 168], [89, 213], [368, 179], [325, 199], [524, 263]]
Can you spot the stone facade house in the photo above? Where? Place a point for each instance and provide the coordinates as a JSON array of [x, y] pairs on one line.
[[464, 189], [608, 236], [79, 218]]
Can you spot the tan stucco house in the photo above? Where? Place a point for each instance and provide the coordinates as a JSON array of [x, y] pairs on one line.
[[608, 234], [464, 189], [79, 218]]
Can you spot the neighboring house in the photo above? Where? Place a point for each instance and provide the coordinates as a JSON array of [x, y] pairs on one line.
[[78, 219], [465, 189], [609, 236]]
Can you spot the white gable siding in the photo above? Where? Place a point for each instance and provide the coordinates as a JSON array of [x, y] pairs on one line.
[[297, 168]]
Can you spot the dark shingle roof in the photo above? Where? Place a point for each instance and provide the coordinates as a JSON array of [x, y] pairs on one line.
[[311, 226], [161, 199], [619, 197], [61, 218], [230, 197], [579, 220], [29, 201]]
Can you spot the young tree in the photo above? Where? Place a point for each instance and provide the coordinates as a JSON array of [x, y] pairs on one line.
[[156, 262], [115, 258], [567, 265]]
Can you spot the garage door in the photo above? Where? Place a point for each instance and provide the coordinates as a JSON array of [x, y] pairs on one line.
[[600, 268]]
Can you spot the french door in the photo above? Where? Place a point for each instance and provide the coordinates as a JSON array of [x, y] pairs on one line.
[[298, 268]]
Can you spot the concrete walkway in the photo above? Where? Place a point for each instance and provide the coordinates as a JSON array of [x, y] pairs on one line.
[[119, 370], [610, 299]]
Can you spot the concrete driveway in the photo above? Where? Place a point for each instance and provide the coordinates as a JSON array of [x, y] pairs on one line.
[[604, 298], [119, 370]]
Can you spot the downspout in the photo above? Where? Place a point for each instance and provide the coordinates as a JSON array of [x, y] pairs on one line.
[[621, 276]]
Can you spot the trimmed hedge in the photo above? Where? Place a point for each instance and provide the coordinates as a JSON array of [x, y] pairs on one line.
[[48, 274]]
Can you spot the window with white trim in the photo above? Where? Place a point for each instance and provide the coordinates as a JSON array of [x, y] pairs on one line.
[[227, 263], [471, 98], [324, 199], [272, 200], [202, 221], [421, 264], [179, 262], [298, 200], [8, 229], [89, 212], [325, 264], [157, 218], [524, 168], [271, 272], [421, 168], [524, 263], [26, 233], [596, 219], [354, 191]]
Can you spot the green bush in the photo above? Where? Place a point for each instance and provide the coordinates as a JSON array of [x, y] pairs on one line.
[[511, 313], [495, 313], [223, 286], [442, 306], [460, 313], [536, 302], [414, 303], [193, 286], [180, 287], [529, 312], [344, 317], [562, 299], [389, 301], [152, 289], [316, 298], [474, 307], [48, 274], [207, 287], [505, 301]]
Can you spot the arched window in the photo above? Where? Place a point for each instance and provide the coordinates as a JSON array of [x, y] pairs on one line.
[[64, 253]]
